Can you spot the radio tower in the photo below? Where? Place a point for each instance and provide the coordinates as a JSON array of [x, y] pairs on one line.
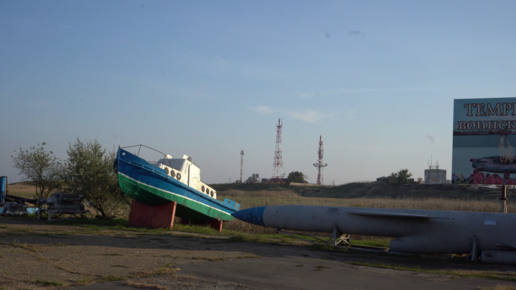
[[241, 164], [277, 170], [320, 164]]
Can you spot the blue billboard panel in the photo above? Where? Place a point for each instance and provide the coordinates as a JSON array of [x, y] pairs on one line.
[[484, 133]]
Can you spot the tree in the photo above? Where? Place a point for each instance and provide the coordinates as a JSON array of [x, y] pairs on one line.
[[89, 172], [400, 178], [403, 176], [296, 176], [41, 167], [393, 179]]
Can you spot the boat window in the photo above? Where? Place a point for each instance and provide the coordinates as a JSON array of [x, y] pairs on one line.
[[177, 164]]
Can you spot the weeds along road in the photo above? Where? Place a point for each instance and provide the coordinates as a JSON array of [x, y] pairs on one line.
[[41, 255]]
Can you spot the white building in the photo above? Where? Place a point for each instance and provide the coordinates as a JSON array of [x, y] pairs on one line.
[[434, 175]]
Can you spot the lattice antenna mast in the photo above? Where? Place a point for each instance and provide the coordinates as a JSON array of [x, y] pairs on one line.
[[320, 164], [277, 170], [241, 164]]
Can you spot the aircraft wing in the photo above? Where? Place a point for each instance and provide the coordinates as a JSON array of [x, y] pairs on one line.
[[502, 244]]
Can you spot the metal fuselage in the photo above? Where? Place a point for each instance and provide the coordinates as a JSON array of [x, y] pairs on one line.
[[415, 231]]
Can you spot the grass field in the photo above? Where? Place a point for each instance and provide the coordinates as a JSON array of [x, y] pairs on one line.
[[22, 189], [374, 190], [349, 195], [158, 244], [286, 197]]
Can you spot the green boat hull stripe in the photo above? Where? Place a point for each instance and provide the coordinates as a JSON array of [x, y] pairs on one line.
[[160, 194]]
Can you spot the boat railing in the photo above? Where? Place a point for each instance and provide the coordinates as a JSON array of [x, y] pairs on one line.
[[140, 147]]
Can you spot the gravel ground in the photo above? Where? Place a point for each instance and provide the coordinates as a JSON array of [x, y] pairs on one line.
[[41, 255]]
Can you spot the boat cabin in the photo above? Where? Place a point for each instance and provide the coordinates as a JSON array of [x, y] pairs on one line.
[[184, 170]]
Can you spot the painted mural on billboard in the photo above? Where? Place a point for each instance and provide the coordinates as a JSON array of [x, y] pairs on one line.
[[484, 133]]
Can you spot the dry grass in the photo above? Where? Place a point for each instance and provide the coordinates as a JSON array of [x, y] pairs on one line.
[[286, 197], [265, 198], [22, 189]]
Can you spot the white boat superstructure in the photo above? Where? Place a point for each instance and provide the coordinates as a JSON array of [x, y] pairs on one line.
[[185, 171]]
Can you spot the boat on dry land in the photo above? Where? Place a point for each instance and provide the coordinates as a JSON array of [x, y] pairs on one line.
[[171, 180]]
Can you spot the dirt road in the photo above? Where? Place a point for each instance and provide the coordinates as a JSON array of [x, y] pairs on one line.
[[38, 255]]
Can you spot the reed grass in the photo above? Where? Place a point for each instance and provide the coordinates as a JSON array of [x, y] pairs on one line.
[[265, 198], [368, 195], [288, 197], [22, 189]]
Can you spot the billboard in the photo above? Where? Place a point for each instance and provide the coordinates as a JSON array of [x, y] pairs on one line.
[[484, 133]]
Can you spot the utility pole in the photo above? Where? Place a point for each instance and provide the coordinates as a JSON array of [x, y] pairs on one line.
[[241, 164]]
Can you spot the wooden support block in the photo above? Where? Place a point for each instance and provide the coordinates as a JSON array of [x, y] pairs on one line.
[[216, 225], [152, 217]]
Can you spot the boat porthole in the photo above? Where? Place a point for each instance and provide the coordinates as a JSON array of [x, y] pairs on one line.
[[172, 173], [166, 170], [178, 176], [202, 189], [212, 194]]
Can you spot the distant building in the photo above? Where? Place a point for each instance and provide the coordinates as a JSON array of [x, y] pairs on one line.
[[382, 179], [434, 175]]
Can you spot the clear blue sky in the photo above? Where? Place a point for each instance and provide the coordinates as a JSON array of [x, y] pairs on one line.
[[376, 79]]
